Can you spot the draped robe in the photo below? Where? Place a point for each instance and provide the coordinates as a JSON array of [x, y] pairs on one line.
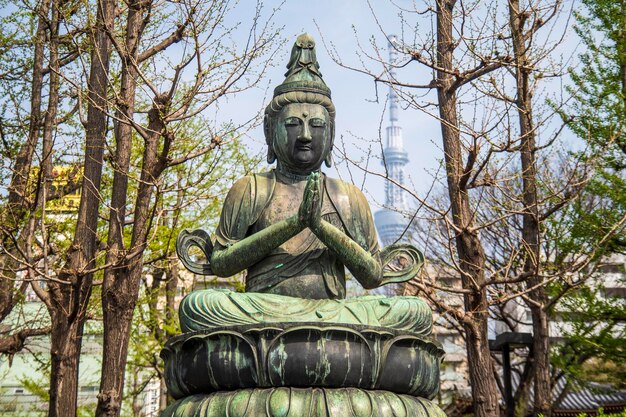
[[301, 280]]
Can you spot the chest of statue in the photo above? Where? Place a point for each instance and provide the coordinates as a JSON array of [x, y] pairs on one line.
[[284, 203]]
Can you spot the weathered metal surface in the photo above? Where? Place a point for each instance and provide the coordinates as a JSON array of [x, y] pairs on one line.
[[295, 232], [206, 309], [293, 229], [400, 261], [303, 402], [311, 355], [194, 238]]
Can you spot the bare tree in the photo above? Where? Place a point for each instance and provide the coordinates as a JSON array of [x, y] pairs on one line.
[[60, 256], [17, 205], [67, 298], [524, 24], [26, 240], [489, 226], [213, 76], [188, 196]]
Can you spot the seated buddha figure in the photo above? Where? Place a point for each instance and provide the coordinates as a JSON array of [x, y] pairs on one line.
[[295, 230]]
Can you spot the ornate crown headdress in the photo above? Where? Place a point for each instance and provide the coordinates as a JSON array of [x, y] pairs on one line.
[[303, 70], [303, 82]]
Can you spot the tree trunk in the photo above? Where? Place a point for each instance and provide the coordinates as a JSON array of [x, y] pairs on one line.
[[620, 45], [49, 127], [69, 297], [521, 399], [14, 212], [21, 169], [65, 355], [540, 370], [118, 299], [171, 289], [119, 295], [66, 334], [468, 245]]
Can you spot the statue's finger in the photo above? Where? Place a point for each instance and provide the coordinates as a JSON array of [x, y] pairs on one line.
[[315, 193], [306, 201]]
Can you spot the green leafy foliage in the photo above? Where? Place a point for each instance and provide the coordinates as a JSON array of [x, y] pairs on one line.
[[592, 227], [594, 349], [190, 196], [598, 113], [602, 414]]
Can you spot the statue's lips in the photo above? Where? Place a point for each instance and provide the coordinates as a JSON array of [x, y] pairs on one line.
[[304, 148]]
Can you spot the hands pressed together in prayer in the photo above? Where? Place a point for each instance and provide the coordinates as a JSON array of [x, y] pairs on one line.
[[364, 266], [310, 212]]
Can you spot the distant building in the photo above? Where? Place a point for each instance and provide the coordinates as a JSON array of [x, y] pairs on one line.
[[570, 397], [391, 222], [64, 188], [24, 376]]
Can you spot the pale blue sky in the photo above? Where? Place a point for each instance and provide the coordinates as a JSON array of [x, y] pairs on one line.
[[351, 25], [345, 24]]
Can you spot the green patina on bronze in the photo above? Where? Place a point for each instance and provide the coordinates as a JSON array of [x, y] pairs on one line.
[[295, 231], [302, 354], [303, 402], [214, 308]]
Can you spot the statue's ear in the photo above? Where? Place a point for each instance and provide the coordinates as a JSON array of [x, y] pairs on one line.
[[266, 128], [267, 131], [271, 156], [328, 161]]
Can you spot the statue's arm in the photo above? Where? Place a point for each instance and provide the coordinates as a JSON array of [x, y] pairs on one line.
[[365, 267], [231, 259], [235, 250]]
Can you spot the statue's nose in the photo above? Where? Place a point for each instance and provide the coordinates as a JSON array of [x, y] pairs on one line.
[[305, 136]]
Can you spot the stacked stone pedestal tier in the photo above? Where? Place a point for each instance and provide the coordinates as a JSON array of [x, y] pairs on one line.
[[303, 402], [302, 369]]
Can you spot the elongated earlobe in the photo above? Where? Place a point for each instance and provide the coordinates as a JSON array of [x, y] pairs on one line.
[[328, 161], [271, 156], [267, 130]]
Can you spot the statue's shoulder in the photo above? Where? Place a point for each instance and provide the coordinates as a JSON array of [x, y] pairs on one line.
[[242, 182], [252, 192], [353, 210], [240, 190], [264, 183], [251, 184], [261, 192], [335, 184], [341, 190], [264, 177]]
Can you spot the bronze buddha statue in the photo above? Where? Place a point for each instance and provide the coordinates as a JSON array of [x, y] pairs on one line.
[[295, 230], [292, 345]]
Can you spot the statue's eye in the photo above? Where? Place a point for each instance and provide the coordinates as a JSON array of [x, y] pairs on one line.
[[317, 123], [292, 121]]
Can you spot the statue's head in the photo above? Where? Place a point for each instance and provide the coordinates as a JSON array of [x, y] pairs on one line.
[[299, 122]]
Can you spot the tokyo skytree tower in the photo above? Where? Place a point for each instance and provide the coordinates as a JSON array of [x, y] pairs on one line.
[[390, 222]]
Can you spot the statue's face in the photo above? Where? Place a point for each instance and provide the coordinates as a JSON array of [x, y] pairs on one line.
[[302, 139]]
